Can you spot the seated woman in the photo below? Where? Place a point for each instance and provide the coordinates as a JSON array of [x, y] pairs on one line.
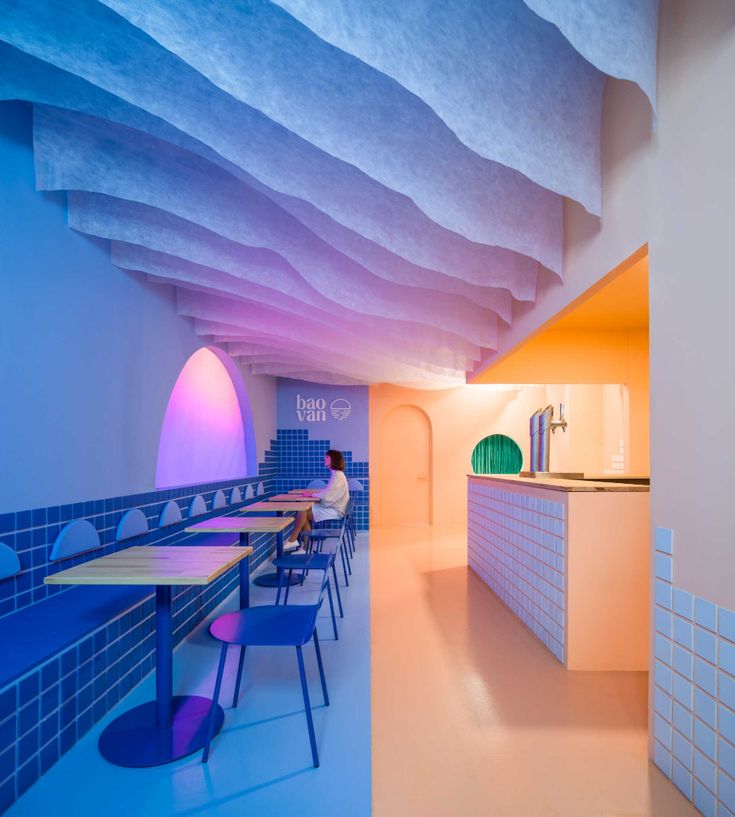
[[332, 500]]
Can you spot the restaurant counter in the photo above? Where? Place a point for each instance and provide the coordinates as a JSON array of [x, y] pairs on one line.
[[570, 558]]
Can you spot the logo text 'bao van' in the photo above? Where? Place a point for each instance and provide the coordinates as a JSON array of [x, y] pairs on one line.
[[314, 409]]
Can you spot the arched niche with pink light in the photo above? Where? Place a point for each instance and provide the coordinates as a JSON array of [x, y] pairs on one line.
[[207, 433]]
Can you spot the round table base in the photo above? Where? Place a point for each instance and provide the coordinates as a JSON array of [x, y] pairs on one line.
[[271, 580], [133, 739]]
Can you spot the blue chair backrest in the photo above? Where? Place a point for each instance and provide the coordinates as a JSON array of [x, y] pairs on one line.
[[197, 506], [261, 489], [219, 500], [317, 484], [235, 496], [170, 515], [249, 493], [132, 523], [9, 561], [354, 485], [77, 537]]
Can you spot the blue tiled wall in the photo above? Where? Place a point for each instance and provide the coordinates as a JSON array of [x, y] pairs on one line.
[[694, 689], [32, 534], [298, 459], [516, 546], [46, 710]]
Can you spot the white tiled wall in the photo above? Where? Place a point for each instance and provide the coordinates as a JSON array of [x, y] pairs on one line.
[[516, 546], [694, 689]]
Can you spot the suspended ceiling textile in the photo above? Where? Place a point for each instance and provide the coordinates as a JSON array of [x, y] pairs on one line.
[[344, 191]]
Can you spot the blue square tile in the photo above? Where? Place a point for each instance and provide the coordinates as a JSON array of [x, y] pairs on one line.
[[727, 624], [683, 632], [8, 702], [30, 686], [727, 656], [664, 622], [682, 779], [727, 723], [683, 603], [705, 707], [682, 750], [705, 644], [49, 756], [682, 691], [664, 567], [28, 746], [726, 756], [705, 614], [705, 739], [662, 731], [704, 800], [7, 763], [726, 790], [662, 758], [28, 717], [682, 720], [727, 690], [683, 662], [662, 703], [705, 676], [663, 594], [705, 770]]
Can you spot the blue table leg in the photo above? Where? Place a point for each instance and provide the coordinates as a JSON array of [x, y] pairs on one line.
[[274, 579], [168, 728], [244, 573], [164, 657]]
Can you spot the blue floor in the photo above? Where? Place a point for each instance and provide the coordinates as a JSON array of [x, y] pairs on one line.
[[260, 763]]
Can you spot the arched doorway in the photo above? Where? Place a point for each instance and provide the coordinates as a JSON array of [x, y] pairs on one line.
[[405, 489]]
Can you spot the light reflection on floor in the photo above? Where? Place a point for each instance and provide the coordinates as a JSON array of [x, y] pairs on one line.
[[473, 717]]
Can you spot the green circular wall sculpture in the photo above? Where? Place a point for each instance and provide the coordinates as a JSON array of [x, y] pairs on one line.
[[497, 454]]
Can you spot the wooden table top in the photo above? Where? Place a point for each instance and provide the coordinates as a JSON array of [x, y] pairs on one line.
[[290, 497], [154, 565], [291, 505], [241, 524]]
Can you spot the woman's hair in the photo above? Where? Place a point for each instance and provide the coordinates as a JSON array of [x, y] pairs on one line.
[[336, 460]]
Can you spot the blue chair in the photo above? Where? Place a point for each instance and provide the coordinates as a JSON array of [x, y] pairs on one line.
[[316, 537], [304, 562], [269, 626]]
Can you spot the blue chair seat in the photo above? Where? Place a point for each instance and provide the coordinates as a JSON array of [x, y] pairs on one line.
[[269, 625], [322, 533], [305, 561], [43, 630]]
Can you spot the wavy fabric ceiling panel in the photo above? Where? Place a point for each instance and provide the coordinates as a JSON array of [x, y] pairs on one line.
[[618, 37], [352, 191], [541, 101]]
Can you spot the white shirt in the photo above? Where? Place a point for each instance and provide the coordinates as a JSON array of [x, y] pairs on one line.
[[336, 494]]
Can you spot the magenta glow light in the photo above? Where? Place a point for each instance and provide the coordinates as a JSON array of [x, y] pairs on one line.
[[202, 438]]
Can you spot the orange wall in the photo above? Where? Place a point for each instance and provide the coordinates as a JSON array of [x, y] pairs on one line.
[[580, 356], [461, 417]]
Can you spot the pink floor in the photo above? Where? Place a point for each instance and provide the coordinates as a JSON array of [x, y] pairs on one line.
[[471, 714]]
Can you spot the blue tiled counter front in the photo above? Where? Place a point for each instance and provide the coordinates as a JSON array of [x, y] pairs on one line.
[[557, 553], [516, 546]]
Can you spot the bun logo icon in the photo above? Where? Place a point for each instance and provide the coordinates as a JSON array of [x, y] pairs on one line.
[[340, 409]]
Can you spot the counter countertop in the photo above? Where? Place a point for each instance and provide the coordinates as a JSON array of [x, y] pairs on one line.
[[569, 485]]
